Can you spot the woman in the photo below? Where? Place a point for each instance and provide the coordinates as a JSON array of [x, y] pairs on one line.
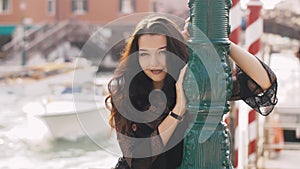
[[147, 97]]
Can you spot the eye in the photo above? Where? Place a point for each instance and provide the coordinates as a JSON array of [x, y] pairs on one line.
[[162, 52], [143, 54]]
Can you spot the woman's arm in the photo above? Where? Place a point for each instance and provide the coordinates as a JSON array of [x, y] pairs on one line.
[[256, 83], [169, 124], [245, 60], [250, 65]]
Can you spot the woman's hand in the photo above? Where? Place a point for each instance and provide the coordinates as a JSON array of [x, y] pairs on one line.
[[167, 127], [185, 33], [180, 106]]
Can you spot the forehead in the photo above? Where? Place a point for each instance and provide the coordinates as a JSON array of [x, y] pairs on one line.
[[149, 41]]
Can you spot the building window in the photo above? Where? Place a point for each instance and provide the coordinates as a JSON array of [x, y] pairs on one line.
[[127, 6], [4, 6], [79, 6], [51, 7], [154, 6]]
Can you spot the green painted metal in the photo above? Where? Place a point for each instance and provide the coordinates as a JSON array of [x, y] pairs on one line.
[[207, 143], [7, 29], [23, 52]]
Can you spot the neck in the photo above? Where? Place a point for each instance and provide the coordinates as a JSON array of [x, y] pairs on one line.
[[158, 85]]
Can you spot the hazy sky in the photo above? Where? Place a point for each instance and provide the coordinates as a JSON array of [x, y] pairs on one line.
[[267, 3], [177, 6]]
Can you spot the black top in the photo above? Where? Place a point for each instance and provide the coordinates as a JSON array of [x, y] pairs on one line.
[[243, 88]]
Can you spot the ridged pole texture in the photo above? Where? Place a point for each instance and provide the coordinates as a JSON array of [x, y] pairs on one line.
[[210, 18]]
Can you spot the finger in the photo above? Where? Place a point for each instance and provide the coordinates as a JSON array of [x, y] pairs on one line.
[[185, 35], [182, 74], [186, 30], [183, 70], [180, 94], [187, 20]]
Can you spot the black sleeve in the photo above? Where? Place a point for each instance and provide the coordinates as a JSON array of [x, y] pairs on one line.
[[248, 90]]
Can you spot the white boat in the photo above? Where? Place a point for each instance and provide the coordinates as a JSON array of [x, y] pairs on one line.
[[72, 111], [70, 104], [69, 119]]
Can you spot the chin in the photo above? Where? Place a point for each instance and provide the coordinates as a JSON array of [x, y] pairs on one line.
[[158, 79]]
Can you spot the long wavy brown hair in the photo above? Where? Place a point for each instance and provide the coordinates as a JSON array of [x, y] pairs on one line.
[[130, 85]]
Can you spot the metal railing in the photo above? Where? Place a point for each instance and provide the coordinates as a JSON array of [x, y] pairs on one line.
[[42, 39], [289, 120]]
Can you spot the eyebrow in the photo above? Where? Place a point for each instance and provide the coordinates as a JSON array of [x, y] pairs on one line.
[[157, 48]]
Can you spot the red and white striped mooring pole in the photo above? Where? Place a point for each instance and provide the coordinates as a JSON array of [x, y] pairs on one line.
[[235, 19], [254, 30]]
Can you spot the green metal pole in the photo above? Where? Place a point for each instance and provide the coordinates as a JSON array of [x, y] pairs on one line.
[[23, 52], [207, 143]]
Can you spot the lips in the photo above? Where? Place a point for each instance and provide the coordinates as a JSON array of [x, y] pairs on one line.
[[156, 71]]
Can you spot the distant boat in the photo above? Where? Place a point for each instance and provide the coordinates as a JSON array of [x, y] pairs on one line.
[[74, 111], [70, 119]]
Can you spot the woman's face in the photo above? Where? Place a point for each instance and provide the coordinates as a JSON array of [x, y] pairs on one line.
[[152, 56]]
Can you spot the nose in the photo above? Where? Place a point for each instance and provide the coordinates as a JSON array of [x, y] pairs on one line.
[[154, 60]]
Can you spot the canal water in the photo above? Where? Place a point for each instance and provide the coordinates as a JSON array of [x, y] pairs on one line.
[[26, 142]]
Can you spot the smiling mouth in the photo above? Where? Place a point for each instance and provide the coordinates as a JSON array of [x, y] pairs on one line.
[[156, 71]]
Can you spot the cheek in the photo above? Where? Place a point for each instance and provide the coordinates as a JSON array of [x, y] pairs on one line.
[[163, 61], [143, 62]]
